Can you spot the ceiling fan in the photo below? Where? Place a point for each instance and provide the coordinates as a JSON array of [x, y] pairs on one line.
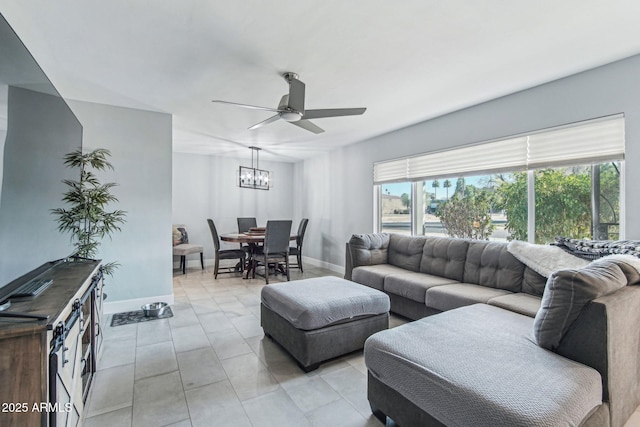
[[291, 108]]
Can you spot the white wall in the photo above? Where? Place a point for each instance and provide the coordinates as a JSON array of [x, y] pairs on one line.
[[206, 187], [140, 144], [343, 202]]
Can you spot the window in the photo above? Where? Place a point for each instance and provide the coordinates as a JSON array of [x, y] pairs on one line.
[[464, 207], [580, 201], [563, 181], [395, 208]]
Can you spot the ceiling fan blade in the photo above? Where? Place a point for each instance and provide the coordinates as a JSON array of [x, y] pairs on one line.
[[296, 95], [332, 112], [265, 122], [253, 107], [305, 124]]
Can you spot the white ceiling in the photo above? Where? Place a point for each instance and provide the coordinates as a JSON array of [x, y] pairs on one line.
[[405, 60]]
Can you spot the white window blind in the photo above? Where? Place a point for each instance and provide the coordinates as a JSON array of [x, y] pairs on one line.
[[585, 142], [503, 155], [394, 170], [594, 141]]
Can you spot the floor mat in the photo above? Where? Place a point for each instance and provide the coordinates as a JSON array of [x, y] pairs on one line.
[[137, 316]]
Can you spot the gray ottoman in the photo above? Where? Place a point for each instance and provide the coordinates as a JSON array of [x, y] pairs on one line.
[[322, 318]]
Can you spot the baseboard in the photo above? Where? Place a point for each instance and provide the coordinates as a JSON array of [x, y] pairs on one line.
[[134, 304], [323, 264], [195, 263]]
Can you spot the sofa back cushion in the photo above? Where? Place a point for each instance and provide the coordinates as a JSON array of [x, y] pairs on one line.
[[445, 257], [490, 264], [533, 283], [405, 251], [567, 293], [369, 249]]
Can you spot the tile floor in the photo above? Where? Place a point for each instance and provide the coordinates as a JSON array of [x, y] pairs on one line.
[[210, 365]]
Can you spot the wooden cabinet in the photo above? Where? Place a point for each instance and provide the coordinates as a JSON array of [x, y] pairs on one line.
[[47, 366]]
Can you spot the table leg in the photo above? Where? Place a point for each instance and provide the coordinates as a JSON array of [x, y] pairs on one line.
[[250, 262]]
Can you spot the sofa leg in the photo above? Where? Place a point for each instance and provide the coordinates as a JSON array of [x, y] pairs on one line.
[[378, 414], [309, 368]]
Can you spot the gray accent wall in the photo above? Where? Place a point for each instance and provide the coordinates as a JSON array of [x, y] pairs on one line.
[[343, 202], [206, 187], [140, 144]]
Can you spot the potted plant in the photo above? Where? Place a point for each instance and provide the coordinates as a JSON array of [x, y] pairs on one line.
[[86, 218]]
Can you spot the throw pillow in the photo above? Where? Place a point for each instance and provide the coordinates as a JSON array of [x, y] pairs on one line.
[[179, 236], [185, 236], [567, 292], [176, 236]]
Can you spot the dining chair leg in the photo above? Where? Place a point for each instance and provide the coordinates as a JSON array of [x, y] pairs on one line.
[[215, 268], [287, 267], [202, 260], [299, 256], [266, 270], [183, 263]]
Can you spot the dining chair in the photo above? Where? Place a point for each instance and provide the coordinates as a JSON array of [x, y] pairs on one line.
[[182, 247], [239, 254], [297, 249], [244, 225], [276, 246]]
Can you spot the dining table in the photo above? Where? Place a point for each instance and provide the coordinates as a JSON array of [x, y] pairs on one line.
[[252, 239]]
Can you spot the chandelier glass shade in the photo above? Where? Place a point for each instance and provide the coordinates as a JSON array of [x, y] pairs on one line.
[[253, 177]]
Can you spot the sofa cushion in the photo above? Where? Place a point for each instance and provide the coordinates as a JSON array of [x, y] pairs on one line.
[[490, 264], [629, 264], [464, 367], [369, 249], [444, 256], [405, 251], [447, 297], [413, 285], [568, 292], [373, 275], [533, 283], [519, 303]]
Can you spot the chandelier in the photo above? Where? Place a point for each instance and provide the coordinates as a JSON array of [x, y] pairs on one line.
[[253, 177]]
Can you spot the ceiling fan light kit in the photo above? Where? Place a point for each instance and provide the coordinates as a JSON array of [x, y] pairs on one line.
[[253, 177], [290, 116], [291, 108]]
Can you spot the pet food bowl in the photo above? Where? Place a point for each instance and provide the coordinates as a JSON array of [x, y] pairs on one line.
[[155, 309]]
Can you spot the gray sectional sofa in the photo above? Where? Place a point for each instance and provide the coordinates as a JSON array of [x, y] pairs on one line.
[[424, 276], [508, 346]]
